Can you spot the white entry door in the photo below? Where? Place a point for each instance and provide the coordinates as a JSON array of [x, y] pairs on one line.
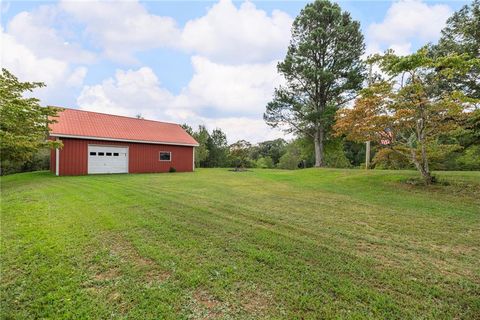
[[107, 159]]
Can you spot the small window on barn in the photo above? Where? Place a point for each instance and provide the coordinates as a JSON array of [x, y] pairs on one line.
[[93, 153], [165, 155], [109, 154], [101, 154], [115, 154]]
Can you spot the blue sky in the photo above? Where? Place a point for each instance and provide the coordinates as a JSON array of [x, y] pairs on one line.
[[197, 62]]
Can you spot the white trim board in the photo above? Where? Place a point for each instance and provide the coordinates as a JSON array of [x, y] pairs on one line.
[[57, 161], [121, 140]]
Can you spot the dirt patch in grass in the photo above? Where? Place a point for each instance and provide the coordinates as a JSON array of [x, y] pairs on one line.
[[154, 276], [253, 301], [104, 286], [119, 300], [203, 305], [107, 275], [101, 277], [243, 302], [94, 290], [206, 300], [114, 296], [126, 251], [256, 302], [112, 264]]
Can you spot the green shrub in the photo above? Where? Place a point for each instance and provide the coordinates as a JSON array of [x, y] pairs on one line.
[[470, 159], [172, 169], [39, 161], [291, 158], [389, 159], [264, 163], [335, 155]]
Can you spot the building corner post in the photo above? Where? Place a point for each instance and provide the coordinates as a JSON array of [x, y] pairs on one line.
[[57, 160], [193, 158]]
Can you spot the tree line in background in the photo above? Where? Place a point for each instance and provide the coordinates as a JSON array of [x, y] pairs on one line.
[[419, 111], [214, 151]]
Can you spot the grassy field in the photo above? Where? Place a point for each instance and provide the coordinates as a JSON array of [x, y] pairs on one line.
[[215, 244]]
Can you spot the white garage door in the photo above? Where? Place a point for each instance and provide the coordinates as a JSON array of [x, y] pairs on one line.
[[107, 159]]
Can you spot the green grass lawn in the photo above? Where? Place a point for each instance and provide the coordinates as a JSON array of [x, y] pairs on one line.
[[216, 244]]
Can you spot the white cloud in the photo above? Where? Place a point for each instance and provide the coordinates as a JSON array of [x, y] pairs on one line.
[[140, 91], [226, 34], [225, 89], [238, 35], [402, 49], [238, 128], [77, 77], [237, 89], [128, 93], [406, 21], [59, 76], [123, 28], [22, 62], [35, 30]]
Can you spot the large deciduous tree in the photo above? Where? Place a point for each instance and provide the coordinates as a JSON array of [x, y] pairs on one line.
[[322, 69], [461, 35], [406, 112], [23, 121], [240, 154], [201, 152], [273, 149], [217, 149]]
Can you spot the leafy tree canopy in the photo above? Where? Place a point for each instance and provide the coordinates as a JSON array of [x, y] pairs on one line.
[[23, 121], [462, 36], [217, 149], [240, 154], [272, 149], [406, 112], [201, 152]]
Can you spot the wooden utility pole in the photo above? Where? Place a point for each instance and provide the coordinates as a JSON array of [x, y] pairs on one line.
[[367, 144], [367, 155]]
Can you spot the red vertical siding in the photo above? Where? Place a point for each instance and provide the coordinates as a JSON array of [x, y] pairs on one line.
[[143, 157], [52, 160], [73, 157]]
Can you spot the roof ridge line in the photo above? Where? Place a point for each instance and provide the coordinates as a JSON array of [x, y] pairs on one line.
[[116, 115]]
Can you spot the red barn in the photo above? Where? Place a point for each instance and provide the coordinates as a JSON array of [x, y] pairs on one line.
[[104, 143]]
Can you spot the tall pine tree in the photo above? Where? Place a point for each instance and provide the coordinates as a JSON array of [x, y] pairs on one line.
[[322, 69]]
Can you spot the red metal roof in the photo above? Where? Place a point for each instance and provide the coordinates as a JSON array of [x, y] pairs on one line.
[[79, 123]]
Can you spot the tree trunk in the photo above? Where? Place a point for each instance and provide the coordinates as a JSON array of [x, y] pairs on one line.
[[318, 140], [422, 166], [427, 176]]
